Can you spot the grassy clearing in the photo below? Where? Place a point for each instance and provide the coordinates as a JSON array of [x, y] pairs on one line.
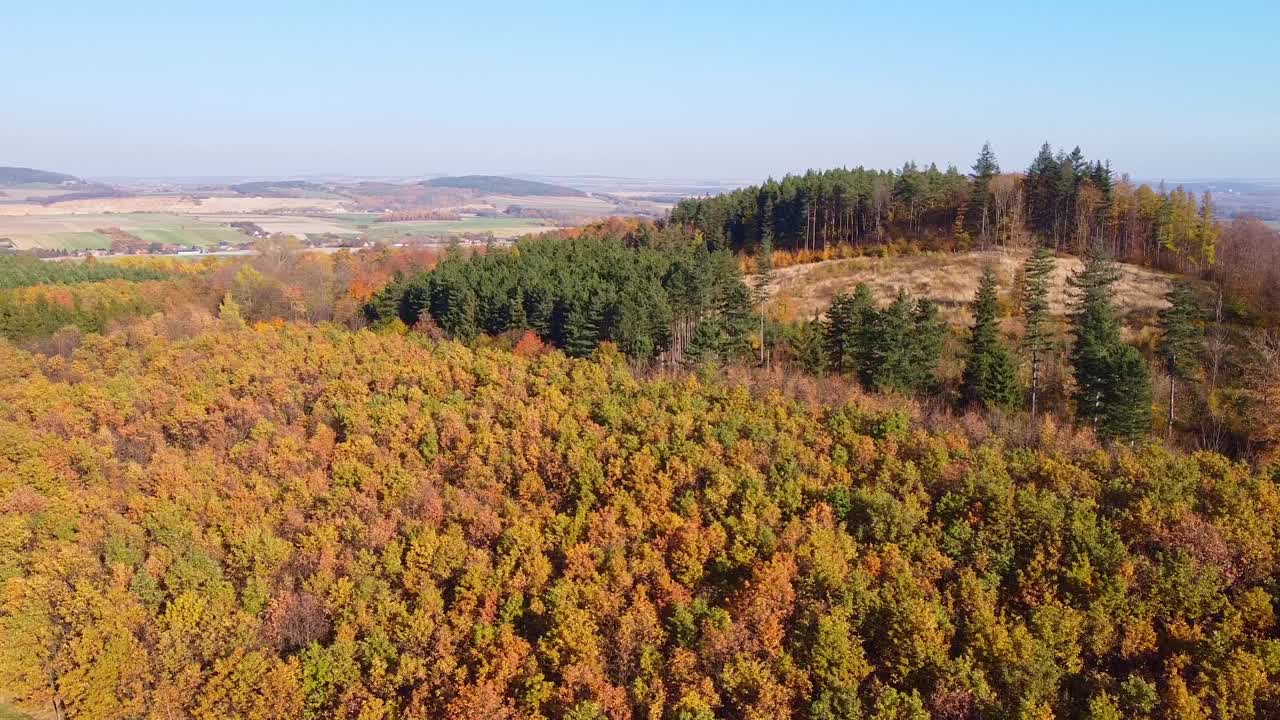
[[804, 291]]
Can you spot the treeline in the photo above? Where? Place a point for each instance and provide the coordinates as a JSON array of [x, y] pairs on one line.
[[40, 311], [651, 291], [280, 283], [23, 270], [299, 522], [1062, 199]]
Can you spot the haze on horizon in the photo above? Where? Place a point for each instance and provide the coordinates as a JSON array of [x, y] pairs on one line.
[[720, 90]]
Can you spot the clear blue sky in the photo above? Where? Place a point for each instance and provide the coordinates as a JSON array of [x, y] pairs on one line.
[[655, 89]]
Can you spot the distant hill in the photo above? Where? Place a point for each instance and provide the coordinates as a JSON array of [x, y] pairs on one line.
[[29, 176], [498, 185], [278, 188]]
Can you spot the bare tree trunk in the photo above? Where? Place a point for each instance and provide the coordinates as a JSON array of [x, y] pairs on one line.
[[1035, 381], [762, 359], [1172, 383], [1215, 350], [57, 702]]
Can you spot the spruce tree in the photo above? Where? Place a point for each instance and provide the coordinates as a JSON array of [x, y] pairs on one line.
[[764, 277], [1038, 337], [1181, 340], [843, 329], [1127, 400], [980, 206], [890, 352], [901, 345], [706, 345], [1097, 333], [1113, 383], [808, 346], [1040, 189], [990, 376], [928, 333]]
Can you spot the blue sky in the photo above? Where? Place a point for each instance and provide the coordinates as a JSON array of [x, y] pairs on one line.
[[708, 90]]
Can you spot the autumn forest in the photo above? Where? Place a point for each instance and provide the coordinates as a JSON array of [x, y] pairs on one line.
[[605, 472]]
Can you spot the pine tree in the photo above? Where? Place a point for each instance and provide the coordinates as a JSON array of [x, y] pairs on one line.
[[1038, 337], [582, 328], [1181, 340], [990, 376]]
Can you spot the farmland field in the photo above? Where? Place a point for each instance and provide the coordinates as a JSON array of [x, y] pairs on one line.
[[80, 231], [75, 232]]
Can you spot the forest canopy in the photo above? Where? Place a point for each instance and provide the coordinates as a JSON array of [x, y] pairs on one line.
[[298, 522]]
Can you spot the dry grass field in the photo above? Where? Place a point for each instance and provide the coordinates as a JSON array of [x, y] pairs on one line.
[[803, 291]]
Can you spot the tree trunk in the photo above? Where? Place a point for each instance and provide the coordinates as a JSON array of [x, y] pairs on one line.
[[1035, 381], [762, 360]]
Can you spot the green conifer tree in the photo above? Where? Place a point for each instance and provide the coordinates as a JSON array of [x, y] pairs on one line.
[[981, 207], [764, 277], [890, 347], [842, 331], [1037, 339], [1181, 340], [1127, 399], [808, 346], [582, 327], [1097, 333], [990, 376], [1113, 383], [928, 334]]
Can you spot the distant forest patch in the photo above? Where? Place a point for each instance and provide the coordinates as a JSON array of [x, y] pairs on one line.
[[278, 188], [504, 186], [29, 176]]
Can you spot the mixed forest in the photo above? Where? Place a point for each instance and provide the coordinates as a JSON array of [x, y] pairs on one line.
[[593, 475]]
